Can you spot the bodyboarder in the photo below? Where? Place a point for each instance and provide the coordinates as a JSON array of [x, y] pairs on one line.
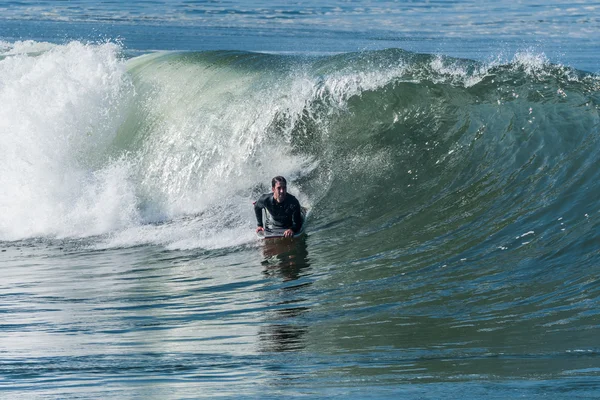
[[283, 210]]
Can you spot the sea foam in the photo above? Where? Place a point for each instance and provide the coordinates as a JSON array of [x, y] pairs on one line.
[[61, 110]]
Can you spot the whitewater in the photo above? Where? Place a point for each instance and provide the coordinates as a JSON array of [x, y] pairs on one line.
[[451, 248]]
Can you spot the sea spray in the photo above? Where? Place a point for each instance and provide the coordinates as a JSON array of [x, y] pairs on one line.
[[60, 112], [203, 132]]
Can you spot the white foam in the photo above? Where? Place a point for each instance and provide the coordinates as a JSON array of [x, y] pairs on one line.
[[60, 111], [342, 85], [530, 61], [458, 72], [24, 47]]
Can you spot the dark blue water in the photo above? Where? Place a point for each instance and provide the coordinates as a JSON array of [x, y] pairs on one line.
[[563, 30], [446, 152]]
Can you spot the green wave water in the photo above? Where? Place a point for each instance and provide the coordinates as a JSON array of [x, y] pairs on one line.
[[437, 144]]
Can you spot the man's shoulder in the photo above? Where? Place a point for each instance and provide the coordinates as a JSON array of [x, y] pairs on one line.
[[265, 198]]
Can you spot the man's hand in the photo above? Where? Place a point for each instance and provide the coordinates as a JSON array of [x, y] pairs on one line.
[[288, 233], [260, 229]]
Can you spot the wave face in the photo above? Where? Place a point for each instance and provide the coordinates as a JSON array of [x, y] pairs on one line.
[[440, 157]]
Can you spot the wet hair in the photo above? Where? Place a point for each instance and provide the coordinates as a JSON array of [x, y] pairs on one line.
[[279, 179]]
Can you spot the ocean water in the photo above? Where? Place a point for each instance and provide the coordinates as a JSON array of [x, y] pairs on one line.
[[446, 152]]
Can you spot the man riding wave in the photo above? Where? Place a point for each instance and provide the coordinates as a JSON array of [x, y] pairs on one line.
[[283, 210]]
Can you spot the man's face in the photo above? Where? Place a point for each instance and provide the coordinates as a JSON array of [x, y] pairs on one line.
[[279, 192]]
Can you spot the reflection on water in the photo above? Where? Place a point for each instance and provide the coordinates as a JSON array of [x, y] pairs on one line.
[[286, 259]]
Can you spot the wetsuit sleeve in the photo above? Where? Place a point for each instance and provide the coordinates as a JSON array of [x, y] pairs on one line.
[[258, 207], [297, 218]]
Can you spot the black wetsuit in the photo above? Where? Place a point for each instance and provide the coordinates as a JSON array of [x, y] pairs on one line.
[[285, 215]]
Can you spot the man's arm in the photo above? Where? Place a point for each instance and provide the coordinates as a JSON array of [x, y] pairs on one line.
[[258, 207], [297, 218]]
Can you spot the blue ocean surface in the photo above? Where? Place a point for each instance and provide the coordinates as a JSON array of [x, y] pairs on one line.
[[446, 152]]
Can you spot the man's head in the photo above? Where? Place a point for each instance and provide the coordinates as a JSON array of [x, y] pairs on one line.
[[279, 188]]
